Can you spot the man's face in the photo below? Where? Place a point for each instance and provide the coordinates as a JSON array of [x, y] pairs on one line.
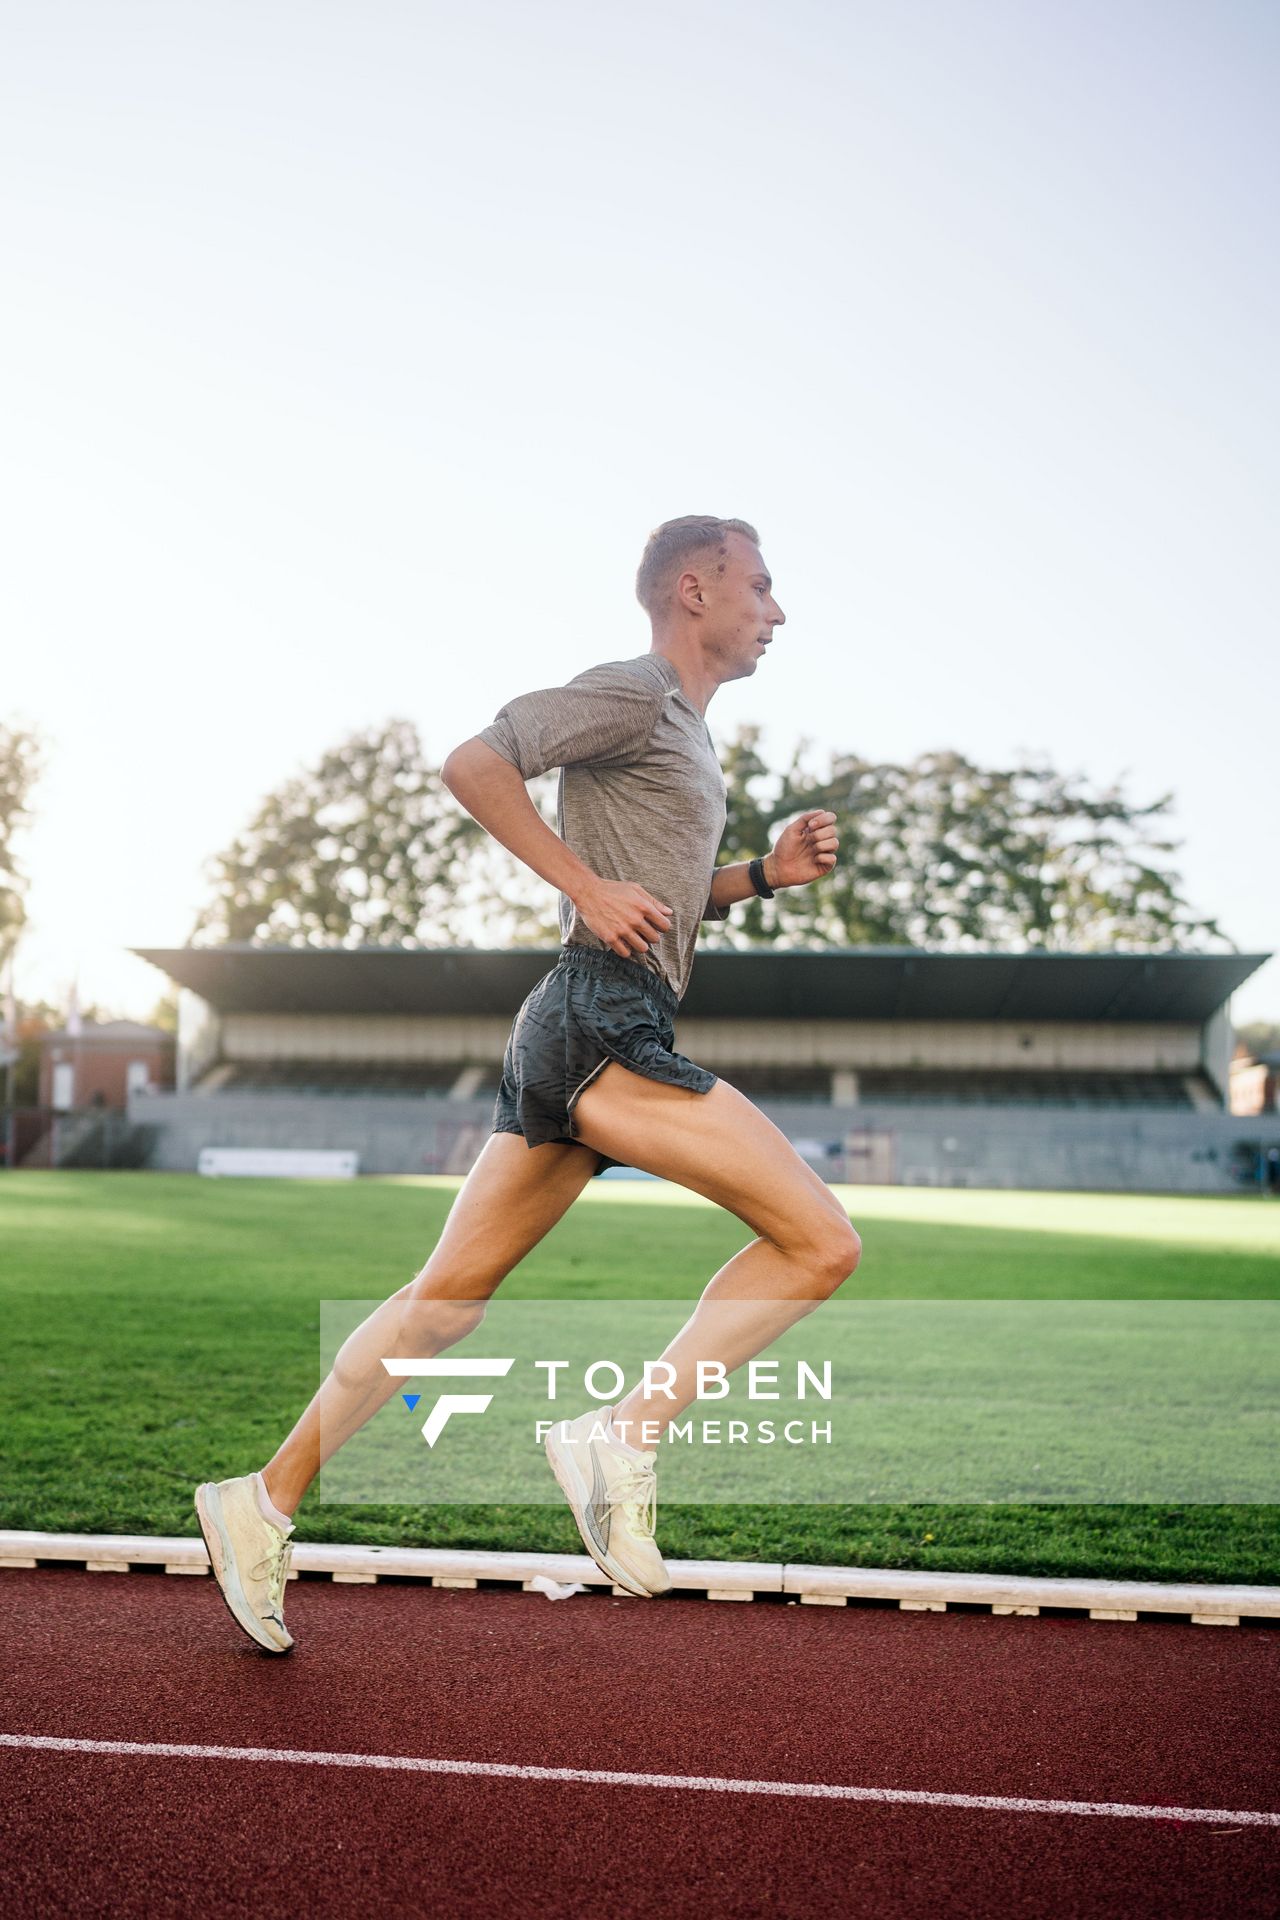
[[741, 612]]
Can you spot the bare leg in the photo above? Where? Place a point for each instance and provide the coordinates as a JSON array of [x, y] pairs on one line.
[[719, 1145], [513, 1195]]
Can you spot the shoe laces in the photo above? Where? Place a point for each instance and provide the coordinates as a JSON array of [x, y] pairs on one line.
[[273, 1568], [635, 1493]]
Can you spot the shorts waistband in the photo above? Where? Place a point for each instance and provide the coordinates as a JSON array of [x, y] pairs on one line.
[[615, 967]]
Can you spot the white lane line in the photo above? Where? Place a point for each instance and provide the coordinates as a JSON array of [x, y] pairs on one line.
[[593, 1776]]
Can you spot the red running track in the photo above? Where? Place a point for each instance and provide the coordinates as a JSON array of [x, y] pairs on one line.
[[1148, 1715]]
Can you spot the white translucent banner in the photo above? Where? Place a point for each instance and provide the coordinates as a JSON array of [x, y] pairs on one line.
[[857, 1402]]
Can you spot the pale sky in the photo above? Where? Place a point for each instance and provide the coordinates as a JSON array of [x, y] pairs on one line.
[[351, 351]]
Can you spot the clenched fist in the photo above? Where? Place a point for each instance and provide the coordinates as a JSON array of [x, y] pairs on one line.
[[806, 849]]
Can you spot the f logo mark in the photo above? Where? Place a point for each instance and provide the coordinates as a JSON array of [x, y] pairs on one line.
[[436, 1421]]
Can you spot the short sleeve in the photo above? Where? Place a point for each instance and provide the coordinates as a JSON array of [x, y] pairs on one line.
[[604, 714], [711, 911]]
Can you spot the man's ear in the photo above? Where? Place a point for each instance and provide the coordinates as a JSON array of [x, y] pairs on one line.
[[688, 590]]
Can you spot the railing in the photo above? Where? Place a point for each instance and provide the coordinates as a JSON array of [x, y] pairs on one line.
[[77, 1137]]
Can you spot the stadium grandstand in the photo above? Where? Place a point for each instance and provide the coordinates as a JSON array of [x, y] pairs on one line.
[[889, 1064]]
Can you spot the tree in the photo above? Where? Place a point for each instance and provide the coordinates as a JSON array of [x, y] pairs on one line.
[[164, 1012], [1259, 1037], [942, 853], [21, 763], [369, 847]]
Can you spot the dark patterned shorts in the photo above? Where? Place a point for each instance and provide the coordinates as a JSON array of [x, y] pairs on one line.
[[593, 1007]]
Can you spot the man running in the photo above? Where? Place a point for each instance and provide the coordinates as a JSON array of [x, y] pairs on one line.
[[590, 1078]]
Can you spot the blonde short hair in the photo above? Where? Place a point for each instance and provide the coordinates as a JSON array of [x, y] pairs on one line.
[[675, 541]]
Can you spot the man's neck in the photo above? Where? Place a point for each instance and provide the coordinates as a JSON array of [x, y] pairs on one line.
[[695, 679]]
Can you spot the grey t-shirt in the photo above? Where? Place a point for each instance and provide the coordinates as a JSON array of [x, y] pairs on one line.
[[641, 794]]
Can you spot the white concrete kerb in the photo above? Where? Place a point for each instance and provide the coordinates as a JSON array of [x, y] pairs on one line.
[[715, 1579]]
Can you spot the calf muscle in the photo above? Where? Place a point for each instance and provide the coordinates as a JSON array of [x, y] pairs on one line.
[[512, 1197]]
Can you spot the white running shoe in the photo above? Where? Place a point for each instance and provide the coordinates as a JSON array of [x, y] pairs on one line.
[[249, 1557], [614, 1497]]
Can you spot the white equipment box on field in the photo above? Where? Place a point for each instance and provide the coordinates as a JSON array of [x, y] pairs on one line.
[[284, 1163]]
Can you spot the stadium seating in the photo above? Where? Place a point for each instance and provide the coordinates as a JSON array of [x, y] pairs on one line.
[[782, 1083], [923, 1087]]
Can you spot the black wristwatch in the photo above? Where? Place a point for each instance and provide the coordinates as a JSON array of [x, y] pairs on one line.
[[756, 870]]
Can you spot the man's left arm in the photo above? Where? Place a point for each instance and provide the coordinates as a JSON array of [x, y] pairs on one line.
[[805, 851]]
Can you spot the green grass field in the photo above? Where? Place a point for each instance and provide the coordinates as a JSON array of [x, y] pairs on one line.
[[163, 1329]]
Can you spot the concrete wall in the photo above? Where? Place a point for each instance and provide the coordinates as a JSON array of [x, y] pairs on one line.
[[1028, 1147], [943, 1146], [199, 1037], [391, 1134], [1217, 1043]]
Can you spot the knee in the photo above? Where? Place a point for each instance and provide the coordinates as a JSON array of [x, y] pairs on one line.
[[838, 1251], [428, 1318]]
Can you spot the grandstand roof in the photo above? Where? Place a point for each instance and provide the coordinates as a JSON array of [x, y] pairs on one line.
[[859, 983]]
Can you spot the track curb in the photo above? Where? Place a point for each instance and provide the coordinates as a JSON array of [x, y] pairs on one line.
[[715, 1579]]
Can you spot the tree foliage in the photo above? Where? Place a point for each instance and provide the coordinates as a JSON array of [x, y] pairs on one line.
[[21, 758], [369, 847], [941, 853], [1259, 1037]]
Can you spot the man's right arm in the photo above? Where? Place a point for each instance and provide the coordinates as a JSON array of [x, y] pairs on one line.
[[622, 914]]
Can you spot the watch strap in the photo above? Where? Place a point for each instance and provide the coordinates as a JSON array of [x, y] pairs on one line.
[[755, 869]]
